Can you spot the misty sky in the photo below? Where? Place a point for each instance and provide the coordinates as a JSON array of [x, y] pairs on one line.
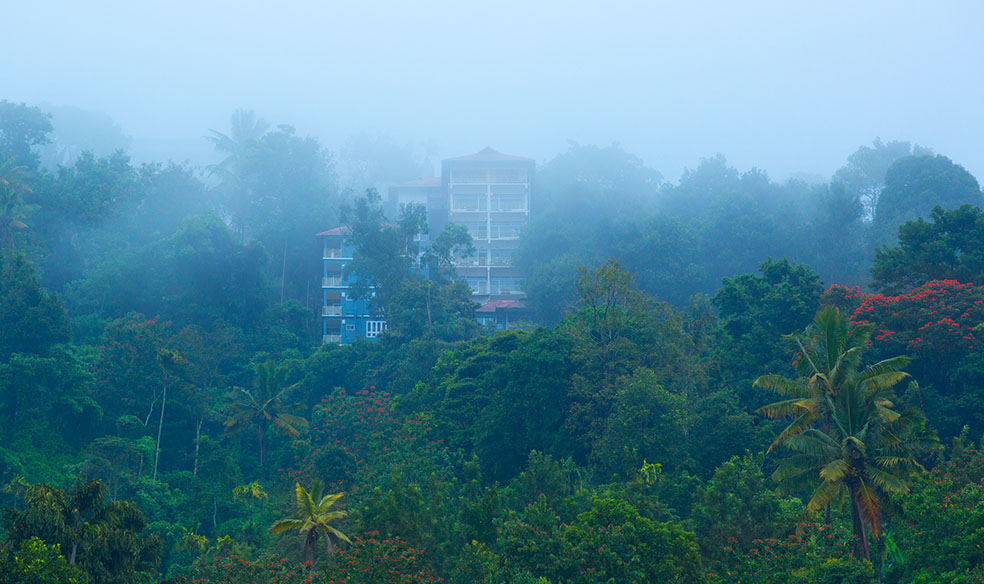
[[783, 88]]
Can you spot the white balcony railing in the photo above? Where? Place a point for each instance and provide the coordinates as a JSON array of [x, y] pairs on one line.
[[331, 282], [331, 253], [331, 310], [335, 338]]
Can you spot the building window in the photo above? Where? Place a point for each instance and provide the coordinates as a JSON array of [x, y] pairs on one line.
[[469, 203], [477, 229], [505, 230], [508, 203], [507, 176], [506, 286], [350, 327], [374, 327], [469, 176], [477, 285], [501, 257]]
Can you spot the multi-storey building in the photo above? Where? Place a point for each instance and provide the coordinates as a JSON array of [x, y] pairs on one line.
[[489, 193], [343, 319], [428, 192]]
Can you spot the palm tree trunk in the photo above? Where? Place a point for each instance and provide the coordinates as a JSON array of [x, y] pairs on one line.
[[861, 548], [198, 442], [283, 272], [309, 540], [160, 426], [261, 436]]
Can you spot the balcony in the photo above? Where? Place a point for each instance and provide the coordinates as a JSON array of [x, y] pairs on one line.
[[332, 253], [333, 338], [331, 310], [332, 282]]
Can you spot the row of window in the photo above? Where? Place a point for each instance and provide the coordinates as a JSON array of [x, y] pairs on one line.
[[495, 230], [484, 257], [469, 203], [373, 328], [495, 286], [488, 176]]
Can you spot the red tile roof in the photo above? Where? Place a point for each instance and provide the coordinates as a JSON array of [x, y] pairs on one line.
[[493, 305]]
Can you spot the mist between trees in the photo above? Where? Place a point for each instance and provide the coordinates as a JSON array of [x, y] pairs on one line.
[[165, 398]]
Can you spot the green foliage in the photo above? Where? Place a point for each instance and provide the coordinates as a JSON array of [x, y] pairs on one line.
[[937, 323], [104, 539], [646, 422], [266, 407], [31, 320], [756, 311], [942, 523], [735, 509], [847, 441], [384, 252], [500, 397], [22, 128], [37, 563], [914, 186], [610, 541], [864, 174], [948, 248], [314, 519]]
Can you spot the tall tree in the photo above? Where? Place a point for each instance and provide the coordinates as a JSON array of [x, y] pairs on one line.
[[314, 520], [384, 252], [914, 185], [948, 247], [31, 320], [22, 127], [106, 539], [266, 406], [13, 211], [846, 437], [863, 176], [237, 147]]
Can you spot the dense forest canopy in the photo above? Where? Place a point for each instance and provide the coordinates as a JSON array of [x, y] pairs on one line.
[[723, 378]]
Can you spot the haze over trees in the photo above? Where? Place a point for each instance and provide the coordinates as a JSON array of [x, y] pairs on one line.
[[167, 412]]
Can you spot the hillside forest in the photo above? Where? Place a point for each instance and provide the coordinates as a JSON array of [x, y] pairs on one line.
[[723, 378]]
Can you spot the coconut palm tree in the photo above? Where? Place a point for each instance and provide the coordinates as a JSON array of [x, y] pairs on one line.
[[237, 146], [314, 519], [847, 438], [264, 407]]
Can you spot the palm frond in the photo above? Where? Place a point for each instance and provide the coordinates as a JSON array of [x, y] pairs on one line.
[[824, 495], [886, 481], [836, 470], [798, 426], [282, 525], [338, 534], [782, 385], [327, 501], [304, 502]]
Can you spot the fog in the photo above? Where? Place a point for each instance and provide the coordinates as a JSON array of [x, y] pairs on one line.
[[788, 90]]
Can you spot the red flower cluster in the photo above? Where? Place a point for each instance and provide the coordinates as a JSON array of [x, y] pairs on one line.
[[937, 317]]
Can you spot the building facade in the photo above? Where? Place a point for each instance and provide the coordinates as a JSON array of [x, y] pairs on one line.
[[343, 320], [489, 193]]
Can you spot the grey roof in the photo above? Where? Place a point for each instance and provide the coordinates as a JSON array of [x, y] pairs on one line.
[[489, 155]]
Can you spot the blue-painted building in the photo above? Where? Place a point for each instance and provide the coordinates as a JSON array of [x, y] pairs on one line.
[[343, 320]]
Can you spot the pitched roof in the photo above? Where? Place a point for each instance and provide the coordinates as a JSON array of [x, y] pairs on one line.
[[493, 305], [487, 154], [336, 231]]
